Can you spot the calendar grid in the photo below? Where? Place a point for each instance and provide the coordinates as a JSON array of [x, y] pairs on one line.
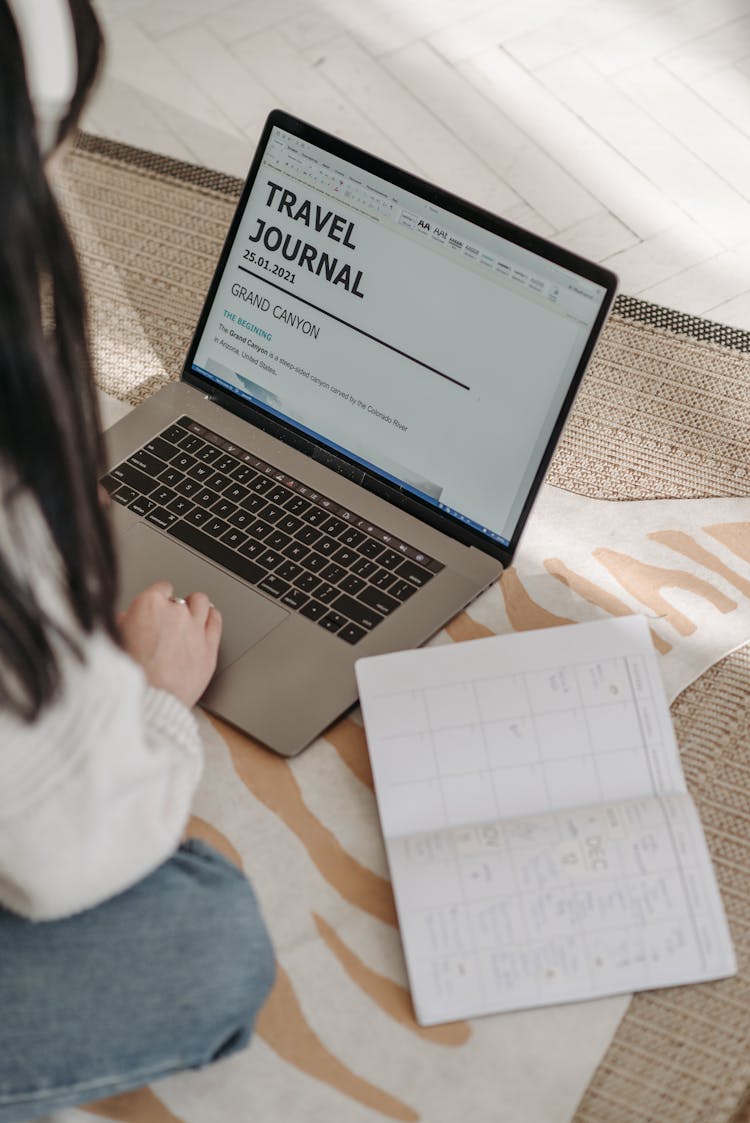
[[542, 844]]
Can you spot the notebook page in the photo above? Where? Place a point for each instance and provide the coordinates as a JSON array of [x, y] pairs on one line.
[[541, 841], [516, 725], [556, 908]]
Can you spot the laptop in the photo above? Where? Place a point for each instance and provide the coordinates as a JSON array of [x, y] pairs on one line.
[[375, 387]]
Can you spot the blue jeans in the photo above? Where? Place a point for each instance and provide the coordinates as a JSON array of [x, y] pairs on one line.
[[166, 976]]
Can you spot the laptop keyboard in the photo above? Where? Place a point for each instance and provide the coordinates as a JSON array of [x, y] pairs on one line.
[[292, 543]]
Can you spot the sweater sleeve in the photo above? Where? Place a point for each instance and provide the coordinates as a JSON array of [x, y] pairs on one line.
[[97, 792]]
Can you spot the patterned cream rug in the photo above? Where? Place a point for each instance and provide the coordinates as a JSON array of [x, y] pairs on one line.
[[645, 511]]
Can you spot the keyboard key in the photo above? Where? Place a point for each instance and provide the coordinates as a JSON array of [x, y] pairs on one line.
[[252, 549], [235, 493], [134, 478], [204, 497], [234, 538], [308, 582], [226, 464], [163, 495], [297, 505], [351, 537], [161, 517], [253, 503], [309, 535], [181, 505], [161, 448], [402, 590], [314, 562], [289, 570], [244, 474], [315, 516], [390, 559], [370, 548], [198, 517], [192, 444], [364, 567], [333, 572], [147, 463], [208, 454], [141, 505], [351, 633], [215, 527], [262, 485], [381, 579], [124, 495], [326, 592], [333, 526], [295, 551], [332, 622], [351, 584], [260, 529], [217, 552], [273, 585], [326, 545], [313, 610], [182, 462], [269, 559], [174, 434], [110, 484], [223, 509], [171, 477], [279, 494], [272, 513], [277, 540], [186, 486], [414, 574], [360, 613], [201, 471], [378, 600], [344, 556], [241, 518], [218, 481], [294, 599], [289, 524]]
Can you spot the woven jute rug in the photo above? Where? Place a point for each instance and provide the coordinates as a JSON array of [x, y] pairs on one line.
[[664, 414]]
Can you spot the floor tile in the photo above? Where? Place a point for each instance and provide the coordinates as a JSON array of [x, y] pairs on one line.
[[668, 254], [661, 32], [297, 82], [735, 311], [612, 180], [706, 54], [666, 160], [216, 72], [705, 286], [136, 60], [712, 138], [121, 113], [599, 237], [619, 127], [728, 92]]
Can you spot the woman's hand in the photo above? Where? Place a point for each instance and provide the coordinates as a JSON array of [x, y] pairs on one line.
[[176, 644]]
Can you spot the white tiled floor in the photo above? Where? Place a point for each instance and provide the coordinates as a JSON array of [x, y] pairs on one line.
[[620, 128]]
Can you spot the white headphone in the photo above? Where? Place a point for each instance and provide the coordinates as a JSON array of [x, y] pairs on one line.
[[51, 57]]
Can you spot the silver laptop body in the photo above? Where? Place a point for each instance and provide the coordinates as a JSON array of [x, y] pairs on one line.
[[376, 385]]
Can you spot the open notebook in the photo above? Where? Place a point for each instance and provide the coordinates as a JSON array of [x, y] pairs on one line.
[[542, 844]]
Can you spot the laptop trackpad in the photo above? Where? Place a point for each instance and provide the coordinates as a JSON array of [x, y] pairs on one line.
[[147, 556]]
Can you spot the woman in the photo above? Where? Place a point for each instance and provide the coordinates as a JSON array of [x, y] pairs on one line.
[[126, 952]]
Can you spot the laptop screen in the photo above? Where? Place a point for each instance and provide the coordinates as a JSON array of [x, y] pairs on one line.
[[431, 350]]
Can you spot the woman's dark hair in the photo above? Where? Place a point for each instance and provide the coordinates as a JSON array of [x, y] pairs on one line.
[[50, 442]]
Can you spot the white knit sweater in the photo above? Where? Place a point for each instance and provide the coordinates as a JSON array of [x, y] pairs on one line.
[[96, 793]]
